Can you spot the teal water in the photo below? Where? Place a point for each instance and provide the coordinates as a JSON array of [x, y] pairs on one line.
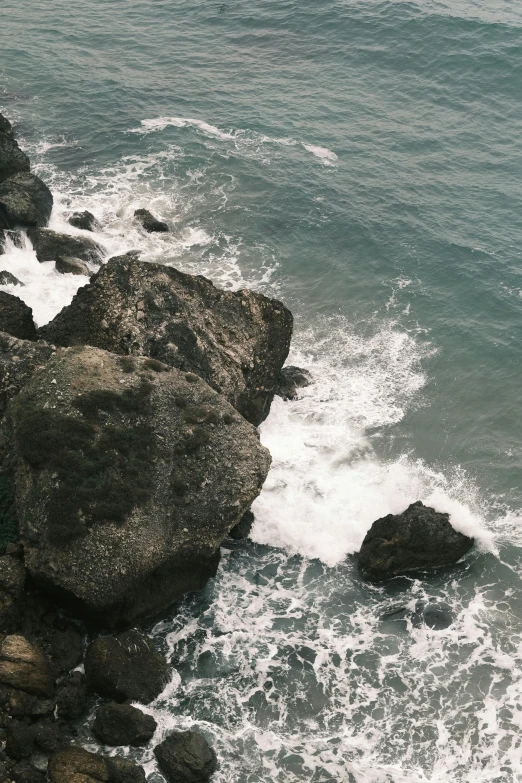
[[361, 161]]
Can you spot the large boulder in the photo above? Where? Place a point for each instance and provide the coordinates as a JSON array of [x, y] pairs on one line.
[[128, 477], [76, 765], [236, 341], [25, 201], [85, 221], [19, 361], [122, 724], [24, 666], [12, 159], [186, 757], [126, 667], [417, 540], [16, 318], [50, 245]]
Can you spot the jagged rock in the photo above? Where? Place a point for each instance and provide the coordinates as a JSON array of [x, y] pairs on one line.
[[24, 666], [16, 318], [236, 341], [186, 757], [122, 724], [126, 667], [12, 159], [291, 379], [149, 222], [71, 696], [6, 278], [128, 477], [243, 527], [12, 580], [19, 740], [25, 200], [84, 220], [5, 126], [19, 361], [71, 266], [50, 245], [418, 539], [75, 765]]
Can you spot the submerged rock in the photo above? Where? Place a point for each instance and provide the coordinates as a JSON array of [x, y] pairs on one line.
[[50, 245], [149, 222], [16, 318], [186, 757], [236, 341], [12, 159], [6, 278], [243, 527], [291, 379], [24, 666], [126, 667], [128, 477], [418, 539], [19, 361], [71, 266], [122, 724], [84, 220], [25, 200]]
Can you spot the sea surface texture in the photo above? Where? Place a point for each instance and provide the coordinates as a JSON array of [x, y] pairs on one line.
[[361, 161]]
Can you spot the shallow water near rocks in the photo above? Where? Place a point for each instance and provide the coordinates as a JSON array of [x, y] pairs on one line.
[[362, 162]]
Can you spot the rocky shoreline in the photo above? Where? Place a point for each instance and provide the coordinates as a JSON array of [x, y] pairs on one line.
[[129, 452]]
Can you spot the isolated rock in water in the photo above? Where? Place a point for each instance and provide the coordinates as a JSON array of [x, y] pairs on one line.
[[418, 539], [243, 527], [122, 724], [19, 361], [23, 665], [66, 265], [5, 126], [128, 477], [291, 379], [126, 667], [6, 278], [149, 222], [12, 580], [84, 220], [25, 200], [71, 696], [16, 318], [186, 757], [12, 159], [236, 341], [75, 765], [50, 245]]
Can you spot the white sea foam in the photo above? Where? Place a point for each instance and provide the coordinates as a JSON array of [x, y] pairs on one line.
[[326, 156]]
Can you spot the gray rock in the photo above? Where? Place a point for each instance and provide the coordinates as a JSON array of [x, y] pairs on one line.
[[66, 265], [12, 159], [5, 126], [19, 361], [419, 539], [126, 667], [16, 318], [291, 379], [149, 222], [128, 477], [24, 666], [243, 527], [12, 581], [85, 221], [25, 200], [186, 757], [50, 245], [122, 724], [236, 341], [6, 278]]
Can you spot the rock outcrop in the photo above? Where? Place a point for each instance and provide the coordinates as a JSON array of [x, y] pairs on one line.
[[84, 220], [12, 159], [186, 757], [122, 724], [16, 318], [50, 245], [126, 667], [236, 341], [25, 201], [419, 539], [128, 477], [149, 222], [290, 380]]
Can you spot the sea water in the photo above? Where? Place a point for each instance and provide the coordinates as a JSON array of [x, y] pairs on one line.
[[362, 162]]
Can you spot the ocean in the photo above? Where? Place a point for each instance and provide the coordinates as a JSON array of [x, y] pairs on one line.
[[362, 162]]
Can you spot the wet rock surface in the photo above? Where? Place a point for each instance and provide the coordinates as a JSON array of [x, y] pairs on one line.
[[149, 222], [66, 265], [6, 278], [50, 245], [186, 757], [243, 527], [84, 220], [25, 201], [122, 724], [419, 539], [236, 341], [16, 318], [12, 159], [290, 380]]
